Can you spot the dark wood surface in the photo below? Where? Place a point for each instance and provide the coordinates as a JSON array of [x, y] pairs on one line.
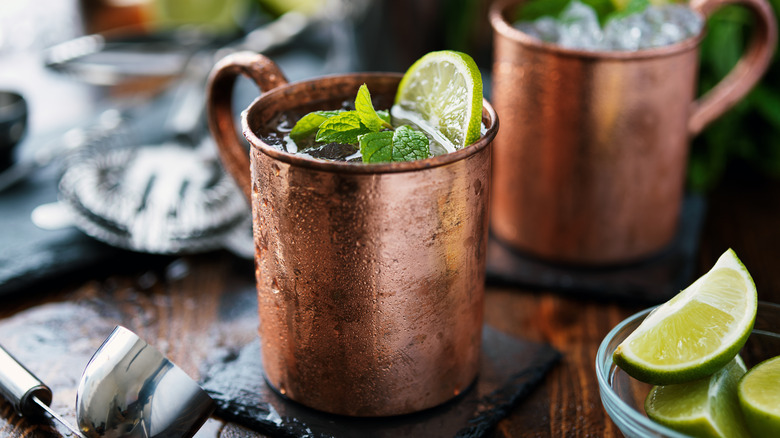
[[181, 309]]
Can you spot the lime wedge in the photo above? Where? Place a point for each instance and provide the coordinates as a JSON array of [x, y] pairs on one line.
[[695, 333], [759, 397], [702, 408], [443, 91], [218, 15]]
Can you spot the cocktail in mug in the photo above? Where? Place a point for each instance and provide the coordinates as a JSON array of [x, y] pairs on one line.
[[590, 164], [370, 277]]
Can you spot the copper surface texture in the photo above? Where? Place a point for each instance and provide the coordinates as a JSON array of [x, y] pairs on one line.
[[590, 163], [370, 278]]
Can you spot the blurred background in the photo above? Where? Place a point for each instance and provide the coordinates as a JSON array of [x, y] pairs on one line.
[[347, 35], [98, 75]]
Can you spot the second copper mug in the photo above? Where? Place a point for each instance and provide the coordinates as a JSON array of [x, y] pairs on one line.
[[590, 163], [370, 277]]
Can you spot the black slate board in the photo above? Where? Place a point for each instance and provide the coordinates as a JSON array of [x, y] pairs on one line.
[[650, 281], [510, 368], [32, 258], [31, 255]]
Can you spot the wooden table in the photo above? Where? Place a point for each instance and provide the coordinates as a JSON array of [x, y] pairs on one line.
[[176, 308]]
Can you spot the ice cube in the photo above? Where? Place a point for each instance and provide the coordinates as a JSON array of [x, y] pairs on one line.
[[685, 19], [578, 27], [545, 29], [626, 33], [654, 27]]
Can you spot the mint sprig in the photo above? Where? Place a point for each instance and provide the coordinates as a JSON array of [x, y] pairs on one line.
[[384, 115], [309, 124], [403, 144], [410, 144], [367, 113], [377, 147], [631, 8], [343, 128], [369, 129], [605, 9]]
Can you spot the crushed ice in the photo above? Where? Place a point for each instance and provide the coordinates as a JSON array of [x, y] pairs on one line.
[[578, 27]]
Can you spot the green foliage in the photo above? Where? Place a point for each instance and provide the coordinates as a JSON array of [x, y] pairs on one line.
[[366, 127], [410, 144], [535, 9], [309, 124], [343, 128], [750, 131], [605, 9], [403, 144], [366, 111], [633, 7], [384, 115], [377, 147]]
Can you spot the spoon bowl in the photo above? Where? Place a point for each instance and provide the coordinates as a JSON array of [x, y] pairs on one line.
[[129, 389]]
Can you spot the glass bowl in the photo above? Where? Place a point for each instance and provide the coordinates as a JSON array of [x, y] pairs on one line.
[[623, 397]]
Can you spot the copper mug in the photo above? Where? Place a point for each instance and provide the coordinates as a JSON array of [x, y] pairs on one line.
[[590, 164], [370, 278]]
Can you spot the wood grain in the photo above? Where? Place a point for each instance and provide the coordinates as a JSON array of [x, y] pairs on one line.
[[183, 308]]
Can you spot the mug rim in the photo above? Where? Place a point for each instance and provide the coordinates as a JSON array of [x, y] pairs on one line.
[[488, 115], [501, 25]]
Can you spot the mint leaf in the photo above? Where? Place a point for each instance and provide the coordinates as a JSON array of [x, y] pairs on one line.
[[410, 145], [635, 6], [309, 124], [534, 9], [365, 110], [603, 9], [377, 147], [384, 115], [632, 7], [405, 144], [342, 128]]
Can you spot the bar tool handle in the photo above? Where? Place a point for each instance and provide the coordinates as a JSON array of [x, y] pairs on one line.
[[19, 386], [745, 75], [267, 75]]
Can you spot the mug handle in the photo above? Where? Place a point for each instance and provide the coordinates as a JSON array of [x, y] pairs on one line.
[[267, 75], [744, 76]]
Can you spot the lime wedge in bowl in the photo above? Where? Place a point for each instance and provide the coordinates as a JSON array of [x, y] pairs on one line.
[[695, 333], [442, 94], [706, 407], [759, 398]]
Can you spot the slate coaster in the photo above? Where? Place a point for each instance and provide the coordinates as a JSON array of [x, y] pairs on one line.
[[510, 368], [650, 281]]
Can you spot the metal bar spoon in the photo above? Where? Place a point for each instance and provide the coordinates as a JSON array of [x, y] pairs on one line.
[[128, 389]]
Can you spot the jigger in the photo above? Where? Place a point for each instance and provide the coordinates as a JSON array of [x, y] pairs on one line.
[[128, 389]]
